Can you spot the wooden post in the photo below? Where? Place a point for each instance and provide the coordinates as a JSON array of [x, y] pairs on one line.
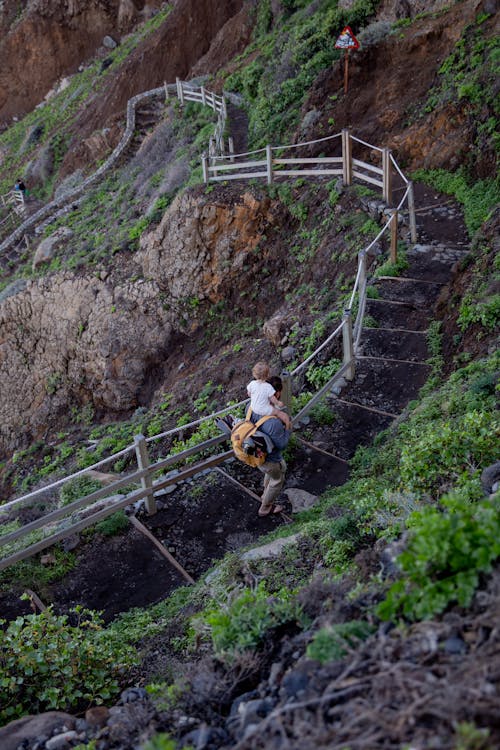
[[348, 344], [269, 158], [394, 236], [362, 273], [141, 451], [346, 157], [346, 70], [286, 393], [231, 147], [204, 165], [166, 91], [203, 96], [411, 211], [180, 93], [387, 177]]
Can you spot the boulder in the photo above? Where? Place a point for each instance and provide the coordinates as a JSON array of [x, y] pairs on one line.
[[28, 729], [48, 247]]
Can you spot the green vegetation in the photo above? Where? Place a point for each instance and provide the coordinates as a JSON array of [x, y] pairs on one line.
[[242, 622], [450, 546], [47, 663], [303, 43], [477, 197], [333, 643]]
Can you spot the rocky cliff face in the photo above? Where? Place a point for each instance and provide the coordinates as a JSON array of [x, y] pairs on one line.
[[97, 354], [70, 342]]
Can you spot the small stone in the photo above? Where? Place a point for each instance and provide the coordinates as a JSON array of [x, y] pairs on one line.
[[61, 741], [455, 645], [131, 695], [288, 354], [97, 716], [109, 42]]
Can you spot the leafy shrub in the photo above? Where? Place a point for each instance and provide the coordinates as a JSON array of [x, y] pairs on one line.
[[436, 455], [486, 312], [332, 643], [243, 623], [115, 524], [319, 375], [77, 488], [447, 551], [46, 663]]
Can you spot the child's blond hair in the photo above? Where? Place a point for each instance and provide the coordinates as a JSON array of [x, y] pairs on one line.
[[260, 371]]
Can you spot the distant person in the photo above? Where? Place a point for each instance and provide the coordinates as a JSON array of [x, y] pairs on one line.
[[20, 187], [263, 401]]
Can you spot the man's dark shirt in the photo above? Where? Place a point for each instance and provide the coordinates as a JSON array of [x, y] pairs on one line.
[[275, 428]]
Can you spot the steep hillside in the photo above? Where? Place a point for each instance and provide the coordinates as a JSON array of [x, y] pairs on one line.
[[368, 615]]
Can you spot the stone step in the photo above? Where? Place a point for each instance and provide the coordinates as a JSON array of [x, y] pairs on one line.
[[434, 262], [387, 386], [353, 425], [404, 315], [394, 344], [416, 292]]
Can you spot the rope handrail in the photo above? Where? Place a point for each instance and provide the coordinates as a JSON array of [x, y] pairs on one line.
[[306, 143], [196, 422], [364, 143], [330, 338], [396, 166], [235, 156], [59, 482], [405, 196]]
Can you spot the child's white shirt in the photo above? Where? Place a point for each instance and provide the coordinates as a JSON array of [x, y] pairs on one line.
[[260, 392]]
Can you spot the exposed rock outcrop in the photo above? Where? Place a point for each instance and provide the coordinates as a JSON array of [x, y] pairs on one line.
[[67, 342], [200, 248]]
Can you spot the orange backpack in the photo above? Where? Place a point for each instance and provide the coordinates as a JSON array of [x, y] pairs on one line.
[[250, 446]]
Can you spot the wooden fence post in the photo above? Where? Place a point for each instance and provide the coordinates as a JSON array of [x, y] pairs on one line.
[[204, 165], [348, 344], [141, 451], [387, 176], [362, 272], [269, 158], [230, 144], [394, 236], [346, 157], [166, 91], [411, 211], [203, 95], [180, 93], [286, 393]]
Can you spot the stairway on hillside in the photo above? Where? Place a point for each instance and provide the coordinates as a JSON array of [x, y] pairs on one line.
[[391, 364]]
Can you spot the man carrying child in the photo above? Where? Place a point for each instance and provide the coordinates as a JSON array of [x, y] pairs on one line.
[[265, 396]]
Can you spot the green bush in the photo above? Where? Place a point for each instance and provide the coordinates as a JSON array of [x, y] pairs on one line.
[[113, 525], [439, 454], [332, 643], [46, 663], [77, 488], [449, 548], [243, 623]]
